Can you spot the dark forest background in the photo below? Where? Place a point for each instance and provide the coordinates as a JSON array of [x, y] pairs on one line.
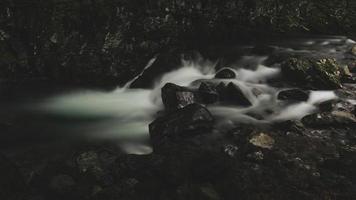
[[109, 41]]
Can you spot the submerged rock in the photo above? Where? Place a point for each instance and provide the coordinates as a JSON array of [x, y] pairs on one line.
[[175, 97], [188, 121], [314, 73], [225, 73], [293, 95]]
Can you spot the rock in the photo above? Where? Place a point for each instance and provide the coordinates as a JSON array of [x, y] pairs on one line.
[[353, 50], [225, 73], [256, 92], [262, 140], [330, 119], [88, 161], [207, 94], [230, 150], [188, 121], [234, 95], [327, 106], [313, 73], [293, 95], [175, 97], [62, 184], [346, 75]]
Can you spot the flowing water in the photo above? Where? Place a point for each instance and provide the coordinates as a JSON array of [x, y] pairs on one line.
[[123, 115]]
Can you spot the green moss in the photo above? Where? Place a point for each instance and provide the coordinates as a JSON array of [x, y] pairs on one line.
[[313, 73]]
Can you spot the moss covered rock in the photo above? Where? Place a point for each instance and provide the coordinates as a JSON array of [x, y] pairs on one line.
[[313, 73]]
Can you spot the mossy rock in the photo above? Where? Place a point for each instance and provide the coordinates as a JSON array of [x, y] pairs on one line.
[[312, 73]]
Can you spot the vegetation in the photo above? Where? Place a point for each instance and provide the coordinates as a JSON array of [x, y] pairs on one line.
[[108, 41]]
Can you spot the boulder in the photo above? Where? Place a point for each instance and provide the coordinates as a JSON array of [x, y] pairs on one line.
[[225, 73], [175, 97], [330, 119], [293, 95], [232, 94], [207, 94], [312, 73], [191, 120]]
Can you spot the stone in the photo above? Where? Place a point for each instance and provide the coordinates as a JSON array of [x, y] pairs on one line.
[[330, 119], [293, 95], [175, 97], [185, 122], [225, 73], [233, 94], [312, 73], [207, 94], [353, 50], [262, 140]]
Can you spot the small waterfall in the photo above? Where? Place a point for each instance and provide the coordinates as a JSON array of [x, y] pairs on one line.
[[125, 113]]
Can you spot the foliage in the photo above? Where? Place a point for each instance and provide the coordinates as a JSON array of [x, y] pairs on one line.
[[109, 40]]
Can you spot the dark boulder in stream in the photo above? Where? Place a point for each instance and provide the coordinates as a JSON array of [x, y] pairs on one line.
[[225, 73], [191, 120], [232, 94], [175, 97]]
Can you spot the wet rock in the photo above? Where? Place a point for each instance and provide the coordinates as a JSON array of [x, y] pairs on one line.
[[346, 75], [207, 94], [313, 73], [327, 106], [88, 161], [231, 150], [62, 184], [12, 184], [256, 92], [175, 97], [353, 50], [330, 119], [225, 73], [188, 121], [232, 94], [262, 140], [293, 95]]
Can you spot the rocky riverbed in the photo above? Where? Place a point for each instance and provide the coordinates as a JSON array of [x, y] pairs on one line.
[[276, 124]]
